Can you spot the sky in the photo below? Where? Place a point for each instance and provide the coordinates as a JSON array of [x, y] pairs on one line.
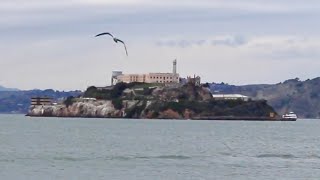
[[51, 44]]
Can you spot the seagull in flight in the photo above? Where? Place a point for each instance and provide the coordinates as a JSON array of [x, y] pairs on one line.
[[114, 39]]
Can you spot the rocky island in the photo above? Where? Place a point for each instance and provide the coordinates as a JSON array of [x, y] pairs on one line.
[[155, 101]]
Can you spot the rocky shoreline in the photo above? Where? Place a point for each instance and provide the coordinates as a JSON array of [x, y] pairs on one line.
[[134, 109]]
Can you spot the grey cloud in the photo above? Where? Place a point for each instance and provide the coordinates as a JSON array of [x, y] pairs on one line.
[[257, 5], [74, 24], [169, 43], [286, 41], [181, 43], [292, 54], [72, 19], [232, 41]]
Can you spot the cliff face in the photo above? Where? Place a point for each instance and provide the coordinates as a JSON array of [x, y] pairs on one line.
[[77, 109], [155, 109]]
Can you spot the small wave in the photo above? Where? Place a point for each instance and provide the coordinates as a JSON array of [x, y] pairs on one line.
[[6, 160], [120, 158], [67, 158], [125, 158], [173, 157], [225, 154], [284, 156], [313, 156]]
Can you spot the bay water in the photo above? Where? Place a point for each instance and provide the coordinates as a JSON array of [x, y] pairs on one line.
[[124, 149]]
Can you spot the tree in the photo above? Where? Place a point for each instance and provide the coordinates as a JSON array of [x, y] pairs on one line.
[[69, 101]]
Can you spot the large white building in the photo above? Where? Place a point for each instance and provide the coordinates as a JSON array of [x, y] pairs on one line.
[[230, 97], [173, 77]]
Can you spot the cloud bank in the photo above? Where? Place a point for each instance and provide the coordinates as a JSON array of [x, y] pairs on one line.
[[233, 41]]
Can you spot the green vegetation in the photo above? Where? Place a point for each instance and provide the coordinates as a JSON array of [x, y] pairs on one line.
[[116, 91], [117, 103], [69, 101]]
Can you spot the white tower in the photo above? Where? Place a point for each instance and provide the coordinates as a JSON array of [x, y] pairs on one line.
[[114, 77], [174, 71]]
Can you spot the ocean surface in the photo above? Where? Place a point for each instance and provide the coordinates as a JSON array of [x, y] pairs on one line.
[[59, 148]]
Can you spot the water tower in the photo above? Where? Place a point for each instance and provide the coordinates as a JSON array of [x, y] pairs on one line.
[[174, 71]]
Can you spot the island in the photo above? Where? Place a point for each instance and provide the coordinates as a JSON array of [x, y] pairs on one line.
[[155, 101]]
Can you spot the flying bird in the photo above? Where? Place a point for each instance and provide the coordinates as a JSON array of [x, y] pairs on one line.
[[105, 33], [116, 40]]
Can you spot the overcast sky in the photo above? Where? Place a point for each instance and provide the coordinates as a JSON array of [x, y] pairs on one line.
[[51, 44]]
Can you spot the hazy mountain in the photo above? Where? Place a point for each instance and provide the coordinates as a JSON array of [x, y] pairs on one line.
[[19, 101], [8, 89], [302, 97]]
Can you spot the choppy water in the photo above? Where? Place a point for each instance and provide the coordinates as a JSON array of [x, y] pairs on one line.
[[51, 148]]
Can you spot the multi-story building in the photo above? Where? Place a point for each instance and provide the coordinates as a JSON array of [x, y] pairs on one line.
[[149, 78], [173, 77]]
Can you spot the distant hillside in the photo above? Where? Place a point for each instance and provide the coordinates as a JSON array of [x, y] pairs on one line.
[[302, 97], [19, 101], [8, 89]]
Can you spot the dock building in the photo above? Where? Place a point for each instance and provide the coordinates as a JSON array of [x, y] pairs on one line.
[[38, 101]]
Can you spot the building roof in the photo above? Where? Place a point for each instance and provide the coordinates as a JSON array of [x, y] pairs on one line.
[[229, 96]]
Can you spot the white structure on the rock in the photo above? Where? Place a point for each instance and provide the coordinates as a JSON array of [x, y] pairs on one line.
[[230, 97]]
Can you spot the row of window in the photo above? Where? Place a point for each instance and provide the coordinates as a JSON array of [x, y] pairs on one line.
[[164, 82], [154, 77]]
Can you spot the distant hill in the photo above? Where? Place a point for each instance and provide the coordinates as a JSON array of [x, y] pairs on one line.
[[19, 101], [8, 89], [302, 97]]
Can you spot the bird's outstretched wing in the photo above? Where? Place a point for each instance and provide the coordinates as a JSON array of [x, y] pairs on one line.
[[118, 40], [105, 33]]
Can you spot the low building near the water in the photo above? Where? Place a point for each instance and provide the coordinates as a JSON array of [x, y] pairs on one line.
[[230, 97], [38, 101]]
